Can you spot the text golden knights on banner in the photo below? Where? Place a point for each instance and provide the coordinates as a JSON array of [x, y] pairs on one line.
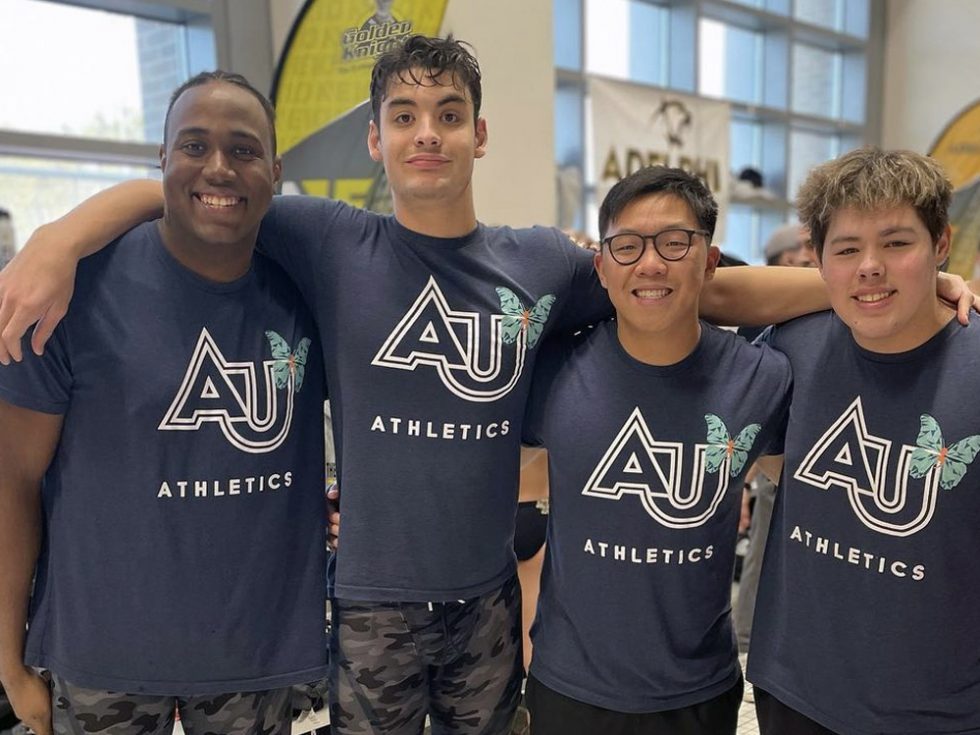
[[634, 126], [321, 93], [958, 150]]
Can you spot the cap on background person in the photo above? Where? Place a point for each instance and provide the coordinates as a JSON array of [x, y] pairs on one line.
[[790, 245]]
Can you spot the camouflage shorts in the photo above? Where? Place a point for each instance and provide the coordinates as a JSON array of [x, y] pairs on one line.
[[457, 662], [79, 711]]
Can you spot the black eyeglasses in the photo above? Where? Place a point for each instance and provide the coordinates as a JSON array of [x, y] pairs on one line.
[[628, 247]]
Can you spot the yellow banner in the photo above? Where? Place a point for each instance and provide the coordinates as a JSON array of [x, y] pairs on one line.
[[958, 150], [321, 91]]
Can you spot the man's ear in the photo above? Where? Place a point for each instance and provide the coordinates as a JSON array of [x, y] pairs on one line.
[[481, 138], [818, 257], [374, 142], [714, 255], [277, 171], [943, 245], [598, 264], [163, 156]]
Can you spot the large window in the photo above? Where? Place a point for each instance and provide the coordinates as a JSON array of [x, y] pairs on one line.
[[794, 71], [84, 95]]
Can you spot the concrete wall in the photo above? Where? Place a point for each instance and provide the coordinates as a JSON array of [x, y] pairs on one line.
[[932, 54], [515, 183]]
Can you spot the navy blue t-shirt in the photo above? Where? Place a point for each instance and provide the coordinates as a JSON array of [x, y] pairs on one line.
[[866, 619], [429, 346], [183, 548], [646, 466]]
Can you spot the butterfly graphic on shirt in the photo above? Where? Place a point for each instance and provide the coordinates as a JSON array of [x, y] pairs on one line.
[[519, 319], [721, 445], [930, 451], [286, 361]]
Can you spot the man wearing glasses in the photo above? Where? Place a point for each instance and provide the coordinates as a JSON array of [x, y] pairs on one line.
[[645, 504]]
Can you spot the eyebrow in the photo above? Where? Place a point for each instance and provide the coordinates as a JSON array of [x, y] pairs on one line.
[[888, 231], [665, 228], [449, 99], [207, 131], [895, 230]]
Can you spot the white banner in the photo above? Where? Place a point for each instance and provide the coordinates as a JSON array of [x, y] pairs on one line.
[[635, 126]]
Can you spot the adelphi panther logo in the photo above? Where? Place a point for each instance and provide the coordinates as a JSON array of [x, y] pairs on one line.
[[472, 365], [254, 412], [638, 464], [849, 457]]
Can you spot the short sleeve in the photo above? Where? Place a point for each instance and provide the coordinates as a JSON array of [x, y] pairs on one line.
[[769, 339], [40, 383], [294, 232], [534, 430], [587, 303]]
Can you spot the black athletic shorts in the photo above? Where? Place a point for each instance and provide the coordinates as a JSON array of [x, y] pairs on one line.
[[532, 527], [775, 718], [555, 714]]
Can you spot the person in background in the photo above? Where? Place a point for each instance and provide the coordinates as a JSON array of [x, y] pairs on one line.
[[790, 245], [8, 241]]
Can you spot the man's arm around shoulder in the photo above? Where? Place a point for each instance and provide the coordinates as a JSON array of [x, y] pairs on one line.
[[754, 296], [37, 285], [28, 440]]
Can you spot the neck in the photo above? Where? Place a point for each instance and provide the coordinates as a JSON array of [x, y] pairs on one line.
[[218, 262], [436, 217], [915, 335], [663, 347]]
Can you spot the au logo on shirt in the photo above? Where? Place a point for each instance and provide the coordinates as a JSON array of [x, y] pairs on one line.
[[250, 412], [638, 464], [848, 456], [472, 365]]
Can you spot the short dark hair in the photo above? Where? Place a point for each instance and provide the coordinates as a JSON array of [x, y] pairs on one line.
[[660, 180], [208, 77], [420, 60], [871, 178]]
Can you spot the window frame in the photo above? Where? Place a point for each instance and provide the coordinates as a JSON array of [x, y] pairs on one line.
[[776, 21]]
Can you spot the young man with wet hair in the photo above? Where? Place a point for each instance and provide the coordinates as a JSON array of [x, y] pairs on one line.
[[430, 324], [645, 504], [161, 464], [865, 615]]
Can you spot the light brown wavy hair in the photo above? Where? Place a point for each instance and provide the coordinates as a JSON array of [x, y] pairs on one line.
[[869, 179]]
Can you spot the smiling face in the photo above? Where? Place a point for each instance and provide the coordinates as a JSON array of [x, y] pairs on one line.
[[427, 139], [880, 269], [219, 172], [656, 300]]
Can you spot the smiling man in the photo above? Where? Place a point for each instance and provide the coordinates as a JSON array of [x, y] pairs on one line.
[[650, 423], [870, 584], [169, 444]]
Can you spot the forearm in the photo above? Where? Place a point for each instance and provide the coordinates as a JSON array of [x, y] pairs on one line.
[[771, 466], [102, 218], [534, 475], [752, 296], [20, 540], [36, 287]]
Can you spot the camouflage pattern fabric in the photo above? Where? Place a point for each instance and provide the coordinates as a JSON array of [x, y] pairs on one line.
[[458, 662], [79, 711]]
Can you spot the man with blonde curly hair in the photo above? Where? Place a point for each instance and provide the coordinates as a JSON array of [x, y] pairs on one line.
[[870, 580]]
